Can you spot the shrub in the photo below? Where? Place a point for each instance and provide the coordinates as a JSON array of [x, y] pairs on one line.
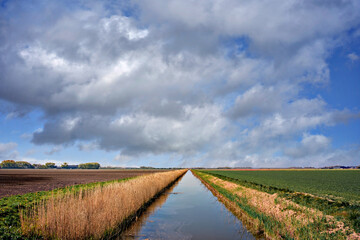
[[93, 165], [23, 164], [40, 166], [65, 165], [146, 167], [50, 165], [8, 164]]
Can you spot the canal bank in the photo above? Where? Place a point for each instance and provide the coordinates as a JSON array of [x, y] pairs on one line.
[[187, 211]]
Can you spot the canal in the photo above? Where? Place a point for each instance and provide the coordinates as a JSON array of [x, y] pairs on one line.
[[188, 210]]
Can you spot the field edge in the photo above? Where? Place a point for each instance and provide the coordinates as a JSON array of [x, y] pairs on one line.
[[261, 223]]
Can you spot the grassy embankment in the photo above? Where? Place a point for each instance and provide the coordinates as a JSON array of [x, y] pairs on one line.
[[94, 212], [279, 212]]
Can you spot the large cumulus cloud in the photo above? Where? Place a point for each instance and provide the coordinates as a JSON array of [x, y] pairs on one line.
[[198, 128], [216, 82]]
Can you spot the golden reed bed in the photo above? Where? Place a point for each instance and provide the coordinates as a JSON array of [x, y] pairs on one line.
[[90, 213]]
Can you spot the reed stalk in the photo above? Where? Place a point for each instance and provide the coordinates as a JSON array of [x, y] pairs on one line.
[[92, 212]]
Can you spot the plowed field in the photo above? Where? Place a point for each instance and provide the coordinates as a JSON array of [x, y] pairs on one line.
[[20, 181]]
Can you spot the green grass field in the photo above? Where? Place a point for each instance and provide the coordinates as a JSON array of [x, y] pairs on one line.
[[331, 183], [335, 192], [265, 209]]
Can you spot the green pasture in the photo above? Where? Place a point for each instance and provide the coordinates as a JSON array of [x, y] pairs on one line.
[[335, 184], [335, 192]]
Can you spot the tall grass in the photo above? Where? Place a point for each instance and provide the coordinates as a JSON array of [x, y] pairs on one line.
[[92, 212]]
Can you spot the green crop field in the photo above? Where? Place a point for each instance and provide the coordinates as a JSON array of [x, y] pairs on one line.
[[336, 184], [335, 192]]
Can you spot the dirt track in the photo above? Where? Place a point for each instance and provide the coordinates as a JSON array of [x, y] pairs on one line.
[[20, 181]]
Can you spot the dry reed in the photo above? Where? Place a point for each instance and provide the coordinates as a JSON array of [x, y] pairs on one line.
[[90, 213]]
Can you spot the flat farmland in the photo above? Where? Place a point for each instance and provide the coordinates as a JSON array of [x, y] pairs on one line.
[[21, 181], [328, 183], [289, 202]]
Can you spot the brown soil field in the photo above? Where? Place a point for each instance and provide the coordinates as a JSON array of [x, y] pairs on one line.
[[20, 181]]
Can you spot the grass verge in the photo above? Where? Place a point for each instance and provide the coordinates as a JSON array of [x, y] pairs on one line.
[[277, 217], [340, 209]]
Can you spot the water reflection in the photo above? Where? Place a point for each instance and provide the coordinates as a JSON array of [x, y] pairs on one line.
[[134, 231], [187, 211]]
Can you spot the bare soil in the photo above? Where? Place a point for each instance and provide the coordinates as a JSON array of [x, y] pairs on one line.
[[21, 181]]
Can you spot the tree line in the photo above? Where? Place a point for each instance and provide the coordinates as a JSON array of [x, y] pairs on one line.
[[8, 164]]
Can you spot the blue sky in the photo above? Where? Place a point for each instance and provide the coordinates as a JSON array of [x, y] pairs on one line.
[[343, 92], [181, 83]]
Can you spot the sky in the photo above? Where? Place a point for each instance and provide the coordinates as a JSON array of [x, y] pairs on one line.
[[169, 83]]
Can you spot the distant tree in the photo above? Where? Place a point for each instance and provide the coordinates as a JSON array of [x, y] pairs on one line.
[[50, 165], [146, 167], [23, 164], [40, 166], [8, 164], [93, 165], [65, 165], [358, 167]]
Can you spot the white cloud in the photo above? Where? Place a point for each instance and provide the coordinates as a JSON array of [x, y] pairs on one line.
[[210, 80], [124, 160], [296, 118], [257, 100], [134, 134], [353, 57], [8, 150], [26, 136], [88, 146], [310, 145], [53, 150], [6, 147], [123, 26], [270, 25], [30, 152]]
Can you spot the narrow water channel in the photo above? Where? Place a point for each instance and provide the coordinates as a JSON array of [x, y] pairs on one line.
[[188, 210]]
